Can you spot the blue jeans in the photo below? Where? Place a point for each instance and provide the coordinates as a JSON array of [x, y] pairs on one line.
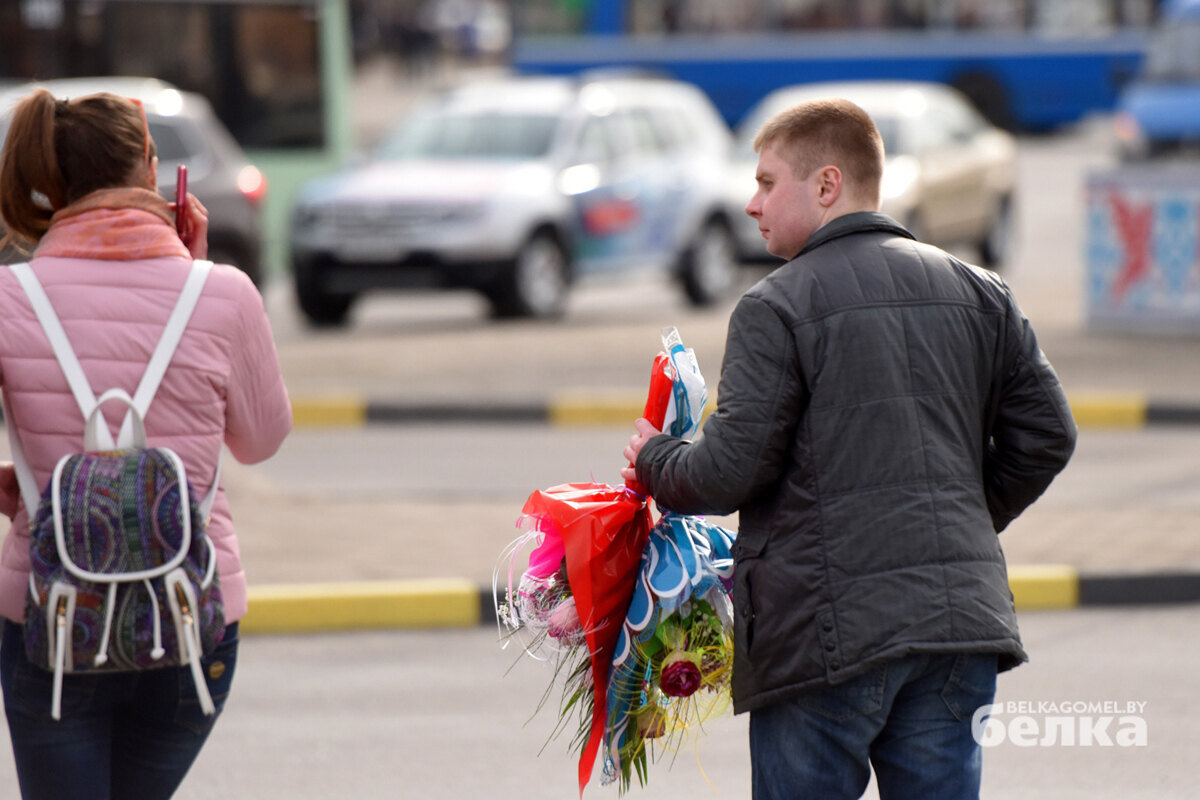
[[910, 719], [122, 736]]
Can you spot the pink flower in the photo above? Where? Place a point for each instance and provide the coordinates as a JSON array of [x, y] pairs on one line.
[[563, 622], [680, 675]]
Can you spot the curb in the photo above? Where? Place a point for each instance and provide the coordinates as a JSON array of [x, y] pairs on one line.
[[596, 408], [460, 603]]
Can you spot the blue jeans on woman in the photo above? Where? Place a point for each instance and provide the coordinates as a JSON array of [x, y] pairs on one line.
[[910, 719], [122, 736]]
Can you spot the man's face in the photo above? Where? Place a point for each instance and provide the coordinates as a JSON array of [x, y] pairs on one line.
[[784, 206]]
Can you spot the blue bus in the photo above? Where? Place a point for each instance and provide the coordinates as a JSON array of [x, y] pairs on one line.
[[1033, 69]]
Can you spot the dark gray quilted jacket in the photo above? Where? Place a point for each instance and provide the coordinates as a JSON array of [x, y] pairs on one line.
[[884, 411]]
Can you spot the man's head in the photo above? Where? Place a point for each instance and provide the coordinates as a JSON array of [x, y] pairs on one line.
[[817, 161]]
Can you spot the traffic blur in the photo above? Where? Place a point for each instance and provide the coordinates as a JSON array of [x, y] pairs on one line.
[[1158, 114], [185, 131], [423, 345], [949, 177], [516, 186]]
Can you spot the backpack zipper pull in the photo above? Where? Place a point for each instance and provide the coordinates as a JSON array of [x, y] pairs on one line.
[[60, 656], [188, 630], [185, 610]]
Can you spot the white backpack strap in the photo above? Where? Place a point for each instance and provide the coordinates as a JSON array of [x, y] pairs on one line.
[[85, 398], [161, 359], [76, 379], [206, 503]]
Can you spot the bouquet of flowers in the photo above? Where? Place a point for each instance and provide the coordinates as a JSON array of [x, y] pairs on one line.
[[635, 616]]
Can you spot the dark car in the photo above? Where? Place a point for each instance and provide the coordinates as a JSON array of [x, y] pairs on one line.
[[185, 131]]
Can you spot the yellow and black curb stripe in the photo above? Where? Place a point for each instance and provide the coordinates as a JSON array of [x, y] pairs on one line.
[[596, 409], [453, 603], [363, 605]]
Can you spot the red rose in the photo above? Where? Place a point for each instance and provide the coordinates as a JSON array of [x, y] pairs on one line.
[[680, 675]]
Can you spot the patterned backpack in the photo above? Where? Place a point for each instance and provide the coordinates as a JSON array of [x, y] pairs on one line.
[[123, 576]]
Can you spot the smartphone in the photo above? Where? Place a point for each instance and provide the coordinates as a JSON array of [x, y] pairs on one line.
[[181, 194]]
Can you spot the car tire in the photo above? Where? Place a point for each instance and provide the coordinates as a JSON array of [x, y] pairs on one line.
[[996, 246], [710, 266], [536, 281], [319, 307]]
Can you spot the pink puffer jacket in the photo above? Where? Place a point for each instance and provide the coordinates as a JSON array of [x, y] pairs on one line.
[[223, 385]]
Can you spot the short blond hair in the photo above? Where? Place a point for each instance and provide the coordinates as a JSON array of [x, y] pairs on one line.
[[832, 131]]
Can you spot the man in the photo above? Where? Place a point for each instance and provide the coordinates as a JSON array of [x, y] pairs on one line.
[[884, 411]]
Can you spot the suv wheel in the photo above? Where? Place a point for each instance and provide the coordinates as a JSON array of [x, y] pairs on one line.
[[710, 265], [320, 307], [535, 283]]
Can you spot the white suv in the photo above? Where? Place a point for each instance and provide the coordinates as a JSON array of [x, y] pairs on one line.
[[517, 186]]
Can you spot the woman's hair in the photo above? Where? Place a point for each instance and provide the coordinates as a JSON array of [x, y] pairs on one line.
[[58, 151], [833, 131]]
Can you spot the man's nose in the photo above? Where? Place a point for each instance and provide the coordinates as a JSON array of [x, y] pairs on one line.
[[753, 208]]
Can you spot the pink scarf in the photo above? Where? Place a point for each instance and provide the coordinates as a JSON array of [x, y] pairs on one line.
[[122, 224]]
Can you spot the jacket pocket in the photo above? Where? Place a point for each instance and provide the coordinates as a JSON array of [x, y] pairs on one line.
[[749, 544], [748, 549]]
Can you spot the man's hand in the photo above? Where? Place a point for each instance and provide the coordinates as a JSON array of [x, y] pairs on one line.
[[644, 432]]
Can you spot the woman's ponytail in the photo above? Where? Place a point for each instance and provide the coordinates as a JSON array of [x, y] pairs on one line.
[[31, 185]]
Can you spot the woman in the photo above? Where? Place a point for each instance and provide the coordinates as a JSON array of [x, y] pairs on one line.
[[78, 180]]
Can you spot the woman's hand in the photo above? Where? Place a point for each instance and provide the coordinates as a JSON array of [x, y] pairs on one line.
[[194, 230], [9, 490]]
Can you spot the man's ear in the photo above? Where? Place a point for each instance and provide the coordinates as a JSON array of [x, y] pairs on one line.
[[829, 185]]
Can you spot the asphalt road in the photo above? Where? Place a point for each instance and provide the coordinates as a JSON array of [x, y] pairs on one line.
[[449, 715], [433, 715]]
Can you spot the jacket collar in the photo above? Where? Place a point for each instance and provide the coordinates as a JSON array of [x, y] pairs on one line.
[[849, 224]]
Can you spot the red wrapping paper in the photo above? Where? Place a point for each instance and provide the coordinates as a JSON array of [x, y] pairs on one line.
[[604, 531]]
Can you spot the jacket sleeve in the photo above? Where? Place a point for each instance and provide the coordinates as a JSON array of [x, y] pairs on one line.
[[258, 413], [744, 445], [1033, 435]]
